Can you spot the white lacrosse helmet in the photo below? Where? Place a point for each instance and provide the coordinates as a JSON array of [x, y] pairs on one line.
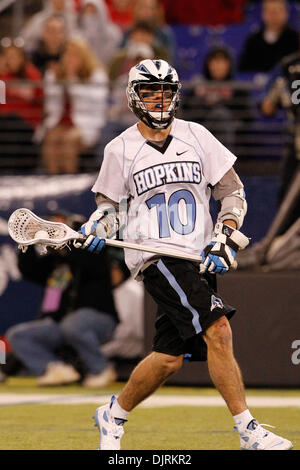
[[163, 77]]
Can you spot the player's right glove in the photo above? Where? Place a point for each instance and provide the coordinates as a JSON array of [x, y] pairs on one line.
[[219, 255], [100, 225]]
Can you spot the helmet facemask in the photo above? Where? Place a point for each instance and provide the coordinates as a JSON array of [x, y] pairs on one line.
[[154, 103], [153, 92]]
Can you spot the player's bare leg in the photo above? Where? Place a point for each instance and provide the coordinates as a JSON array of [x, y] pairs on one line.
[[147, 377], [223, 368], [227, 378], [225, 373]]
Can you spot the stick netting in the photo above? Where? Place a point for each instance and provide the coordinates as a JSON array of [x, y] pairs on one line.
[[23, 227]]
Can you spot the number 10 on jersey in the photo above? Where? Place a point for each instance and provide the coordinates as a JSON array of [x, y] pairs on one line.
[[168, 213]]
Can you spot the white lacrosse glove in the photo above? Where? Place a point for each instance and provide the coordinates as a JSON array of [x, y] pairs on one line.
[[102, 224], [219, 255]]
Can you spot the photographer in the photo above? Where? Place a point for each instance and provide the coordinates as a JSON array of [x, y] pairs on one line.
[[77, 311], [281, 92]]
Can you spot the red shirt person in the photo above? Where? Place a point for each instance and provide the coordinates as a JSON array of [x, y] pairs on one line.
[[23, 100]]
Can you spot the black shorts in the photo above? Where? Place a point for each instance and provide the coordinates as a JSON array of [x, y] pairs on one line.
[[187, 305]]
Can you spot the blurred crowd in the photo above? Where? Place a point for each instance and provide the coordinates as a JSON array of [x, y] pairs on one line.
[[90, 316], [66, 75]]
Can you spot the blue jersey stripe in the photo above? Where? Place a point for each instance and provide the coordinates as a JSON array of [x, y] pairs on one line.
[[183, 298]]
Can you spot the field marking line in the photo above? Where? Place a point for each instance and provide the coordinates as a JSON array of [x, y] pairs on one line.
[[154, 401]]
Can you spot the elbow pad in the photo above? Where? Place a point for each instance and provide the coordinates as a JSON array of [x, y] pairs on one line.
[[233, 207]]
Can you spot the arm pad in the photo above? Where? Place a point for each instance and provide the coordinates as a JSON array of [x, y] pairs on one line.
[[231, 237], [234, 207]]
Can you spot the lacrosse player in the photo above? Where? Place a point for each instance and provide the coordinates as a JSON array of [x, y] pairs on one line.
[[166, 169]]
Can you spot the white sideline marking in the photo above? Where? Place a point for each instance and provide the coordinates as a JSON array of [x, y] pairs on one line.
[[153, 402]]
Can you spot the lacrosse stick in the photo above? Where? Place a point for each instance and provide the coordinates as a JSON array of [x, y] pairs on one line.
[[26, 228]]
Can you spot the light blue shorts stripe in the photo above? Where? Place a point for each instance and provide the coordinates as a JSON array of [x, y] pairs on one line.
[[183, 298]]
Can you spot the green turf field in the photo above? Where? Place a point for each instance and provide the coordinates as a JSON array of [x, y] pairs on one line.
[[56, 426]]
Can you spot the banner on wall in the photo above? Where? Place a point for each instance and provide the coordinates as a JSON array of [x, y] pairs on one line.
[[19, 300]]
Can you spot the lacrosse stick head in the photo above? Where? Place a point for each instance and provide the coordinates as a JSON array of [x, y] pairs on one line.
[[26, 228]]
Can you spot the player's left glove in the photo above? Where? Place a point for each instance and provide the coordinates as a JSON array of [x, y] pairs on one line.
[[219, 255], [92, 243]]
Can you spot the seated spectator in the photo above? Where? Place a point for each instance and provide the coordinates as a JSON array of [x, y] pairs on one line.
[[121, 12], [282, 92], [274, 39], [23, 109], [75, 108], [2, 61], [214, 100], [77, 310], [51, 45], [33, 30], [102, 34], [128, 338], [151, 12], [141, 35], [203, 12]]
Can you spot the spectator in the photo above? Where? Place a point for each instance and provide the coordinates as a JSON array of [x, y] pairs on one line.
[[102, 34], [77, 310], [2, 62], [202, 12], [51, 45], [33, 30], [22, 111], [151, 12], [274, 39], [121, 12], [281, 93], [142, 36], [215, 101], [128, 338], [75, 108], [127, 341]]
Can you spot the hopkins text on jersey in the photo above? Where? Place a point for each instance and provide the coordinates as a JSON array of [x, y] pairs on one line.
[[167, 173]]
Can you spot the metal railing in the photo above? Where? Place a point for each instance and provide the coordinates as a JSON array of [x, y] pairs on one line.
[[236, 122], [231, 111]]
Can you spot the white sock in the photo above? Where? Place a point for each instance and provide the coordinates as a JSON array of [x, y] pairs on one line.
[[242, 420], [117, 411]]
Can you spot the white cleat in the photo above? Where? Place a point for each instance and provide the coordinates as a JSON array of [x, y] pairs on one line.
[[255, 437], [110, 428]]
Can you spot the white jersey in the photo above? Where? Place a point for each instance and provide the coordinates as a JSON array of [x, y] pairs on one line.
[[167, 188]]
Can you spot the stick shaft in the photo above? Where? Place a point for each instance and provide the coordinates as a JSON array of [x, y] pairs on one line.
[[158, 251]]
